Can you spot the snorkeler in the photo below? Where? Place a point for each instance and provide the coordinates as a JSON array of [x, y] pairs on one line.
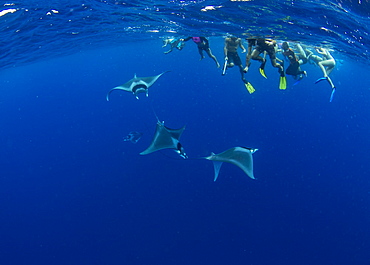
[[265, 45], [327, 66], [232, 58], [294, 66], [203, 45], [302, 54], [305, 55], [174, 43], [231, 54]]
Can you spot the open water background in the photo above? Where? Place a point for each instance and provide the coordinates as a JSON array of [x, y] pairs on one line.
[[73, 192]]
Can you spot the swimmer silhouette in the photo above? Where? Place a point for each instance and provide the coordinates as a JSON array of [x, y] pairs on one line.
[[133, 137]]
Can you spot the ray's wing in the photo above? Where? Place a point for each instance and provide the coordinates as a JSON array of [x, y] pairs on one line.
[[163, 139], [175, 133], [135, 82], [125, 87], [150, 80], [217, 166], [128, 85], [238, 156]]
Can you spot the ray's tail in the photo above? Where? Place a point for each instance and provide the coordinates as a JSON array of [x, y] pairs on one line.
[[155, 114]]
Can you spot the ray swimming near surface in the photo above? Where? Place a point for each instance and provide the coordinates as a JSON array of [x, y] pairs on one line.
[[137, 85], [166, 138], [238, 156]]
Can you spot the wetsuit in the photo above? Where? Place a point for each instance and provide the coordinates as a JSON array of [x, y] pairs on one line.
[[201, 42], [263, 45], [266, 45]]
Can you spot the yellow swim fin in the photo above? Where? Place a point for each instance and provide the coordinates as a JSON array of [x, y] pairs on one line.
[[282, 84], [262, 72], [249, 87], [262, 68]]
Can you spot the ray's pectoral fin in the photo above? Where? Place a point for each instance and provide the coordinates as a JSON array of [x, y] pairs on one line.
[[238, 156], [166, 138], [217, 166], [137, 85], [149, 81], [110, 91]]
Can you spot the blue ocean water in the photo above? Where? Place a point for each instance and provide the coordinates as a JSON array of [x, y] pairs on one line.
[[72, 191]]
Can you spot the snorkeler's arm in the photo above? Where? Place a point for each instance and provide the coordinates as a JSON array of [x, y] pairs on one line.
[[242, 46], [321, 51], [225, 49], [186, 39]]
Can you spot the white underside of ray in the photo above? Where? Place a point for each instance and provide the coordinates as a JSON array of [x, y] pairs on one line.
[[137, 85], [238, 156]]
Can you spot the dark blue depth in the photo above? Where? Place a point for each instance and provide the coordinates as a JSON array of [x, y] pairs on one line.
[[72, 191]]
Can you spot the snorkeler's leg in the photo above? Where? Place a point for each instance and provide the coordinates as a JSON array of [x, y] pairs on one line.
[[165, 42], [200, 50], [322, 67], [232, 59], [241, 70], [302, 53], [307, 51], [256, 56], [327, 67], [330, 66], [209, 52], [277, 65], [329, 70], [330, 82], [168, 51], [302, 73]]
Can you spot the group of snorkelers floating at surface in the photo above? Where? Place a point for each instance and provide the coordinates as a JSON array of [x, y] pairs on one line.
[[167, 138], [264, 46]]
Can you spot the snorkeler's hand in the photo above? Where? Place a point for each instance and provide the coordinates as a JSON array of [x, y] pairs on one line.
[[319, 50], [245, 69], [244, 51], [226, 58]]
